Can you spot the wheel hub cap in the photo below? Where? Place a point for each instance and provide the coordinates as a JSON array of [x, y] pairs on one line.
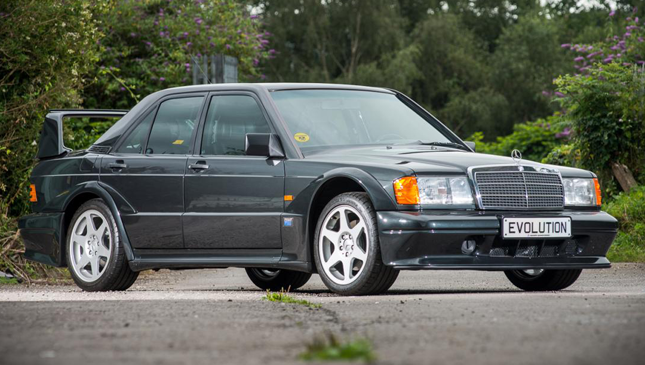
[[90, 245]]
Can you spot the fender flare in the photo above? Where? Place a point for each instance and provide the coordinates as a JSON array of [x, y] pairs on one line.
[[379, 197], [105, 192]]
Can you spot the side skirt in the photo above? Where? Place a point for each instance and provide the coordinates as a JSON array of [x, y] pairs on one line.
[[145, 259]]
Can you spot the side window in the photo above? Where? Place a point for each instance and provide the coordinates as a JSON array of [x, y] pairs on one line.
[[229, 119], [174, 126], [136, 140]]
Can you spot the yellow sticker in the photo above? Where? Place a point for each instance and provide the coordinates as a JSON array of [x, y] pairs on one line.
[[301, 137], [179, 141]]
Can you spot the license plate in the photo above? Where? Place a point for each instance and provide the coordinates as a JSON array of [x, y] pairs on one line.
[[536, 227]]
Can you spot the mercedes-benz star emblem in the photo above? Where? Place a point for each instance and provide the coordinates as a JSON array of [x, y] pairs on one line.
[[516, 155]]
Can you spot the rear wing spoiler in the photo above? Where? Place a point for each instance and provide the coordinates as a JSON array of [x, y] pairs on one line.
[[51, 137]]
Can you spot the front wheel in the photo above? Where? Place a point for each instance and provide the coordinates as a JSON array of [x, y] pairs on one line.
[[346, 247], [542, 280]]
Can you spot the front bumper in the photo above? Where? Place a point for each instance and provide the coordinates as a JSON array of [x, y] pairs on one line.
[[433, 240]]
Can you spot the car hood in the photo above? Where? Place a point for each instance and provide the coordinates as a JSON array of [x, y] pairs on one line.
[[428, 159]]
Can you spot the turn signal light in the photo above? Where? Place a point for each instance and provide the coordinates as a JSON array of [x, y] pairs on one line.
[[598, 192], [406, 190], [32, 193]]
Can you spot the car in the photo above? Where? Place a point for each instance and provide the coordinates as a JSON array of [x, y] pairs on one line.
[[286, 180]]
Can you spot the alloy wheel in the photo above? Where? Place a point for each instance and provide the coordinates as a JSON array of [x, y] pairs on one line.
[[343, 244], [90, 245]]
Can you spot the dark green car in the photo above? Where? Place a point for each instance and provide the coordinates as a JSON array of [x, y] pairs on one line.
[[353, 183]]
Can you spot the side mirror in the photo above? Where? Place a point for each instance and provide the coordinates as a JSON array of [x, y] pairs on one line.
[[470, 144], [263, 144]]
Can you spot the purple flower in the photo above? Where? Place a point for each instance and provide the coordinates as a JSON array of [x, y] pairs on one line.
[[626, 64], [612, 13], [591, 55], [256, 62], [640, 62], [161, 34], [228, 46], [162, 79], [185, 34], [254, 16], [212, 44], [565, 133], [148, 44], [640, 39], [198, 21], [559, 94], [607, 60], [578, 59], [122, 88], [189, 44], [187, 65], [546, 93], [628, 34]]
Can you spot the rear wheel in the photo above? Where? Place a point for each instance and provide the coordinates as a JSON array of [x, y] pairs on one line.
[[542, 280], [95, 255], [275, 280], [346, 247]]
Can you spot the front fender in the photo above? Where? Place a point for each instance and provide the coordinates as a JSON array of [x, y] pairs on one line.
[[380, 198]]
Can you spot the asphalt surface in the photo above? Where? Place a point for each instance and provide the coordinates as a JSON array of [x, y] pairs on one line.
[[428, 317]]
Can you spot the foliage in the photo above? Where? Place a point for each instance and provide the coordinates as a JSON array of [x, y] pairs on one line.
[[605, 110], [43, 57], [148, 45], [283, 297], [534, 139], [629, 210], [332, 349], [80, 133]]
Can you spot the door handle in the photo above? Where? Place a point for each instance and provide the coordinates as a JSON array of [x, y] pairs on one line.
[[198, 166], [118, 165]]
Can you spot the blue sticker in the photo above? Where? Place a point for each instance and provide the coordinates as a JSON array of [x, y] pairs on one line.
[[288, 222]]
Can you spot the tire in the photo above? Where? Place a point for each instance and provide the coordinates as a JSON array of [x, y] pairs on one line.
[[545, 280], [89, 248], [276, 280], [354, 242]]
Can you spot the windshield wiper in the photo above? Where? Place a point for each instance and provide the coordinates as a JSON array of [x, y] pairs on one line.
[[442, 144]]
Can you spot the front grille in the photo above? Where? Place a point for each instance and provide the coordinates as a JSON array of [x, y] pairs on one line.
[[519, 190]]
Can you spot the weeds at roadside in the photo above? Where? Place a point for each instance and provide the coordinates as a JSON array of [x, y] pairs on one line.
[[283, 297], [330, 348]]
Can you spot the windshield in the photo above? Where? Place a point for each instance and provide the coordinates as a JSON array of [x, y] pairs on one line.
[[318, 119]]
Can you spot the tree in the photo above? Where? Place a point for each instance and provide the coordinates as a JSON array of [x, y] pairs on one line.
[[148, 45]]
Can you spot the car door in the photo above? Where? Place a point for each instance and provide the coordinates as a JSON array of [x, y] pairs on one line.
[[232, 200], [147, 169]]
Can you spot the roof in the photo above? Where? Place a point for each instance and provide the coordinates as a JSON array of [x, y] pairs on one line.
[[274, 86]]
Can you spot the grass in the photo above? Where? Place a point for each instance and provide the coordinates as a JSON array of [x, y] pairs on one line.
[[8, 281], [283, 297], [330, 348]]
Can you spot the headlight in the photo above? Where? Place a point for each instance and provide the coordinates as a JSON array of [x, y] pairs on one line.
[[433, 190], [581, 192]]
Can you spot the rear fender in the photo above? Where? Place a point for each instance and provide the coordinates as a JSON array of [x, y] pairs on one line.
[[115, 202]]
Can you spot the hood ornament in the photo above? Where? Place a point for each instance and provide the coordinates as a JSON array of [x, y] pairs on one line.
[[517, 157]]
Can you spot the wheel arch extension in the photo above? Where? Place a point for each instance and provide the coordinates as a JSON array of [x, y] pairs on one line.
[[339, 181], [115, 202]]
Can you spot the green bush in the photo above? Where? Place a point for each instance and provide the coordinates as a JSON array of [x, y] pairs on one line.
[[629, 210]]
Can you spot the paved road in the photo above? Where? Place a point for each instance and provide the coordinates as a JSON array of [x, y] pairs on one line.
[[438, 317]]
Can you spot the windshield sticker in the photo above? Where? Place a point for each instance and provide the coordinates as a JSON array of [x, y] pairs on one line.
[[179, 141], [301, 137]]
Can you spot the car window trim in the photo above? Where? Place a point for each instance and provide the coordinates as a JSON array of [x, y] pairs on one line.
[[197, 143], [154, 108]]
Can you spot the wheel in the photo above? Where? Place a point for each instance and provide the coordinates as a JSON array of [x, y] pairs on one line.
[[95, 255], [276, 280], [542, 280], [346, 247]]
